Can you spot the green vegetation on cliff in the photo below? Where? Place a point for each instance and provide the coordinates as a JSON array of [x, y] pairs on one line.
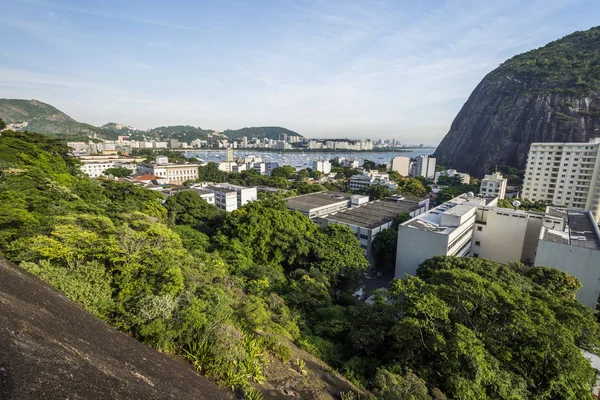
[[568, 65]]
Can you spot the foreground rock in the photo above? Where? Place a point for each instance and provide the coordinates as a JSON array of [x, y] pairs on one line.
[[52, 348]]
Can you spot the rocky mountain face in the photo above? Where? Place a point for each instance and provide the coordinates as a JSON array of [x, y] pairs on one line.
[[551, 94]]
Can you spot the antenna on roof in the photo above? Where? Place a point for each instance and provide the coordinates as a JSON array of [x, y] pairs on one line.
[[516, 204]]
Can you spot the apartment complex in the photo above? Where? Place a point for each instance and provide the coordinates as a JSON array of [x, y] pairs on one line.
[[369, 218], [565, 174], [362, 181], [493, 185], [401, 165], [464, 178], [423, 165]]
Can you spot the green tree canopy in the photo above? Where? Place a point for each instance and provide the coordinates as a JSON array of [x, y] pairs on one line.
[[118, 172]]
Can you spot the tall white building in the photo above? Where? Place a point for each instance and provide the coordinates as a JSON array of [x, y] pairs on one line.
[[423, 165], [322, 166], [401, 165], [493, 185], [230, 197], [565, 174]]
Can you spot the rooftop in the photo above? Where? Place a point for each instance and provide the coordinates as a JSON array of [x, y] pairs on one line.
[[374, 214], [310, 201], [432, 220], [580, 229], [214, 188]]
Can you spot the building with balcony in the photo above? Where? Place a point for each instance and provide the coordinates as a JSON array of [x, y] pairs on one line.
[[564, 174], [493, 185]]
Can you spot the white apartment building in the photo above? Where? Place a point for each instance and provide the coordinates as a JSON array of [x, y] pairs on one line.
[[225, 199], [176, 173], [444, 230], [401, 165], [361, 181], [493, 185], [225, 192], [565, 174], [464, 178], [322, 166], [423, 165], [94, 166]]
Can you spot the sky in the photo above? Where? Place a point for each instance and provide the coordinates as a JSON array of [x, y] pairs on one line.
[[364, 69]]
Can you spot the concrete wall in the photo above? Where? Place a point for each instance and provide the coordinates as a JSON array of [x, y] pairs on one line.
[[582, 263], [401, 165], [502, 238], [416, 246]]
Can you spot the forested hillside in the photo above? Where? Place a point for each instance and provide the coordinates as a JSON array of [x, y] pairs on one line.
[[232, 293]]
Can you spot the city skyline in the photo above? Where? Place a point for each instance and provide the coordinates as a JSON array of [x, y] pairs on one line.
[[322, 69]]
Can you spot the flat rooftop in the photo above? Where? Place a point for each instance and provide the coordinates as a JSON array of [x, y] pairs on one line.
[[311, 201], [431, 221], [580, 229], [374, 214], [212, 188]]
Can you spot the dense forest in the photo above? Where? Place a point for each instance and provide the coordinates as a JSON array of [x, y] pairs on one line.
[[228, 291]]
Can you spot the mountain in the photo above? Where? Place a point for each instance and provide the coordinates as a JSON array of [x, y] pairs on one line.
[[551, 94], [35, 116], [52, 348], [262, 132]]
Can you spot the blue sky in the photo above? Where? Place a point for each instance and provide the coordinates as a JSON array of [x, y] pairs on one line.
[[389, 69]]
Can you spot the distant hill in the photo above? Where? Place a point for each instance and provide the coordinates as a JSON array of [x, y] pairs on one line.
[[551, 94], [261, 132], [35, 116]]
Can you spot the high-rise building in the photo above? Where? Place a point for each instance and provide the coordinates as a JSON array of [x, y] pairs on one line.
[[493, 185], [423, 165], [244, 142], [283, 137], [229, 155], [401, 165], [564, 174], [451, 173], [173, 143], [322, 166]]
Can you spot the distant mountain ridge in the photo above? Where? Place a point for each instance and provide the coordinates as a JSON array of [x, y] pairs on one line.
[[36, 116]]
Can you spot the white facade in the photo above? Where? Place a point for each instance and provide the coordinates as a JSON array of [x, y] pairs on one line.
[[401, 165], [174, 173], [322, 166], [565, 174], [464, 178], [493, 185], [574, 249], [362, 181], [423, 166], [206, 195], [225, 192], [444, 230]]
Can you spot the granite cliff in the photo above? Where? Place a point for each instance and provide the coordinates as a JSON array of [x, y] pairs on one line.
[[551, 94]]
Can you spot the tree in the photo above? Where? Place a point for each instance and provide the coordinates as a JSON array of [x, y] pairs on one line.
[[449, 180], [401, 218], [2, 124], [118, 172], [211, 173], [285, 171], [188, 208], [384, 248], [378, 192]]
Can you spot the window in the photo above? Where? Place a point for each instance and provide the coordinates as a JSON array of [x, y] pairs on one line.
[[479, 228], [364, 236], [476, 255], [477, 243]]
